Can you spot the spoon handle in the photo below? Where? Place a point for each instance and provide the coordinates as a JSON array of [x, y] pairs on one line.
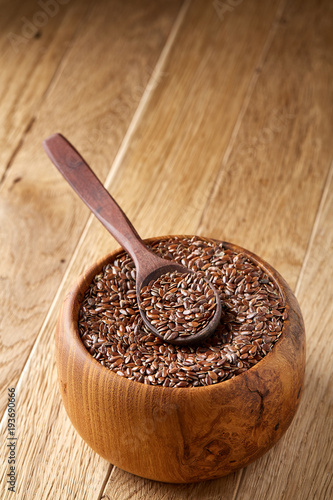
[[85, 183]]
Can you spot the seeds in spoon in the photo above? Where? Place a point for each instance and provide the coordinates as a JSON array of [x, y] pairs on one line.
[[178, 305], [248, 328]]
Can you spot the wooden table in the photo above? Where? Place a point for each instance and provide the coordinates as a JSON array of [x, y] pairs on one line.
[[210, 118]]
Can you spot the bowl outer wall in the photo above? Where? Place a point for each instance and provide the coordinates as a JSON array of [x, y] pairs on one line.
[[180, 434]]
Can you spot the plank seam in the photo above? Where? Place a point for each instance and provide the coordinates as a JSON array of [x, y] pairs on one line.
[[42, 98], [65, 56], [237, 487], [315, 228], [17, 149], [151, 85], [244, 107], [106, 479], [247, 98]]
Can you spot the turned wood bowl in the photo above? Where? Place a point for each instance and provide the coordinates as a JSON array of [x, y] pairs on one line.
[[180, 435]]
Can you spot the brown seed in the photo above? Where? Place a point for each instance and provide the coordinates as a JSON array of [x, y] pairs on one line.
[[111, 327], [180, 294], [213, 375]]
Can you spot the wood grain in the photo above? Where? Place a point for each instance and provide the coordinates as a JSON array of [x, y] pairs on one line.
[[123, 485], [302, 462], [97, 242], [40, 219], [284, 141], [32, 47], [149, 266], [174, 158], [240, 115], [175, 436], [42, 471]]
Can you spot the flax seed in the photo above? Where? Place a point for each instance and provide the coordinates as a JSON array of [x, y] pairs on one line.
[[113, 332]]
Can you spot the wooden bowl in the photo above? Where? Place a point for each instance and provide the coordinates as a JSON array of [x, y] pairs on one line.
[[180, 435]]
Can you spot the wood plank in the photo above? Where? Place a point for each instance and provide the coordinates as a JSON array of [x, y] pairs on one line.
[[121, 485], [302, 463], [41, 367], [269, 186], [150, 143], [40, 219], [33, 41], [183, 143], [41, 471], [262, 136], [301, 168]]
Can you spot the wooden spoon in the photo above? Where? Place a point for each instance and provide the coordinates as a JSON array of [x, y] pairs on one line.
[[148, 265]]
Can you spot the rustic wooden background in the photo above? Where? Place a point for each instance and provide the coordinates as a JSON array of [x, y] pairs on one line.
[[201, 117]]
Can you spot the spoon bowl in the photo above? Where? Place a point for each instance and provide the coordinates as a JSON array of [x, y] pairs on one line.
[[149, 266], [167, 267]]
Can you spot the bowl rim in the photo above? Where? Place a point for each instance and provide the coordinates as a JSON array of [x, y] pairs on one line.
[[74, 297]]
